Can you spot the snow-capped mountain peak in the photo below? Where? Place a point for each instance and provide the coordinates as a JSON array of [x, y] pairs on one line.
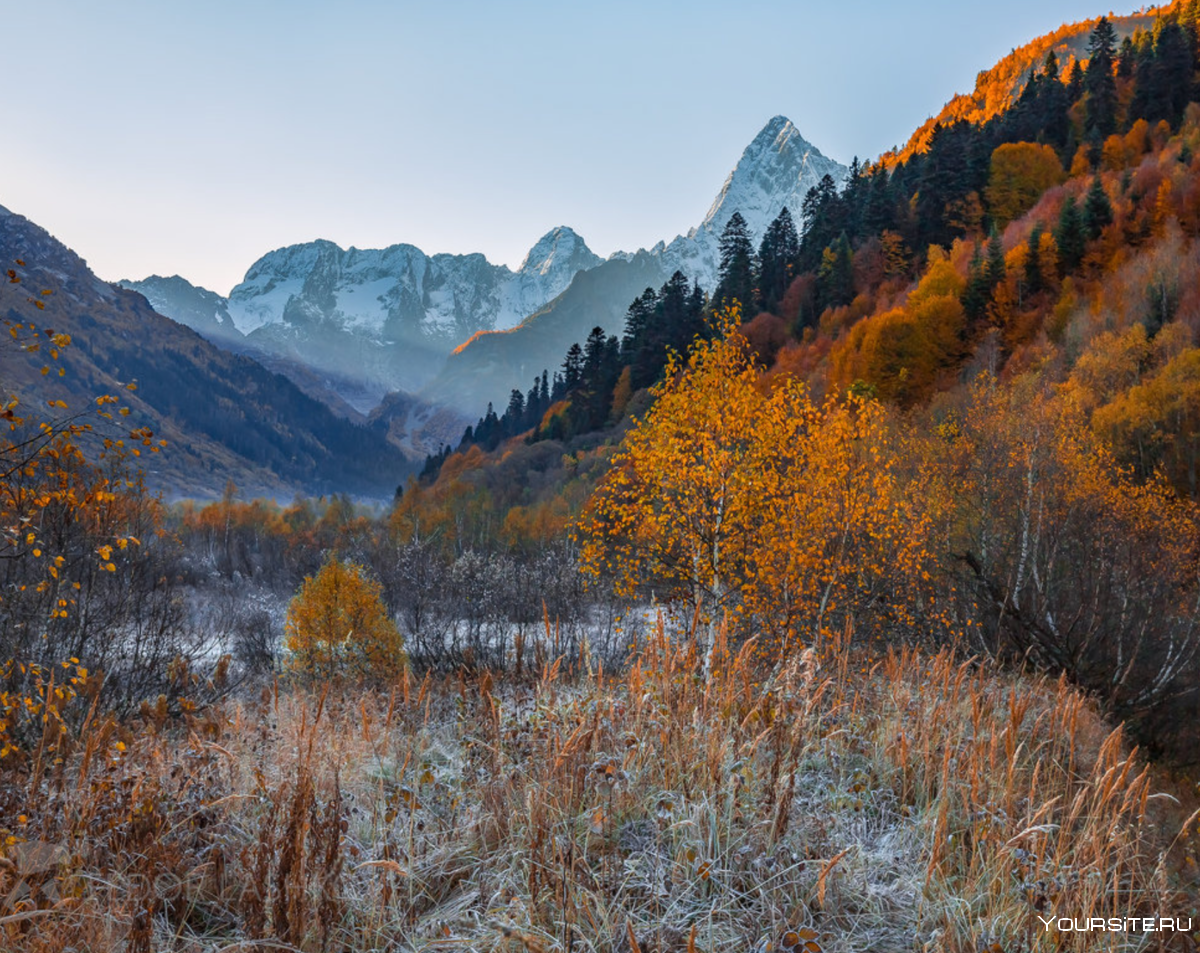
[[777, 168], [384, 316], [560, 248]]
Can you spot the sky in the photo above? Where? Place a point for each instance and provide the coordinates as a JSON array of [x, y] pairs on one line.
[[192, 138]]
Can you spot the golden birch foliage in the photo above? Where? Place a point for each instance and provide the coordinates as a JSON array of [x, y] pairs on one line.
[[740, 495], [54, 490], [338, 626], [1020, 173], [1156, 424]]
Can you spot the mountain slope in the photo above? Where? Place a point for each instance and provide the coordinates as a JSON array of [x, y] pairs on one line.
[[225, 416], [488, 366], [997, 88]]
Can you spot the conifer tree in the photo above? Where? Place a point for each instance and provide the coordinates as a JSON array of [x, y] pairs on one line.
[[1099, 82], [1053, 105], [995, 266], [978, 291], [835, 278], [822, 217], [736, 282], [637, 324], [1069, 235], [777, 256], [515, 411], [1164, 75], [1097, 210], [1033, 267], [572, 366]]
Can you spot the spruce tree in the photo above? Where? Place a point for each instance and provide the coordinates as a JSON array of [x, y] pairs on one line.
[[1099, 82], [1126, 59], [1074, 84], [637, 324], [1097, 210], [1069, 236], [736, 282], [1053, 105], [978, 290], [777, 256], [672, 324], [515, 413], [1033, 265], [572, 366], [995, 265], [822, 217], [835, 278]]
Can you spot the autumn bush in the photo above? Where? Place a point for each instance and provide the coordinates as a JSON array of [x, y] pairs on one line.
[[338, 626], [87, 571]]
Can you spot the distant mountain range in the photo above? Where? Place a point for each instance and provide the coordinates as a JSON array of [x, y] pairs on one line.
[[225, 416], [349, 326], [331, 369], [370, 321]]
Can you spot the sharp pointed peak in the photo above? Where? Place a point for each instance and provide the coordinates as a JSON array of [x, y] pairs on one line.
[[561, 242]]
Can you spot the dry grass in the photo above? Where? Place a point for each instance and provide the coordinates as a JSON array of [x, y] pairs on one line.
[[925, 803]]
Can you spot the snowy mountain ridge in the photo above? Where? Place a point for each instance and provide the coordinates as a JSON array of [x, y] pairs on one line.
[[371, 321], [775, 170], [362, 323], [386, 291]]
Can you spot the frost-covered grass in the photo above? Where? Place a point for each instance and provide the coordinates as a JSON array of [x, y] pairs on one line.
[[902, 803]]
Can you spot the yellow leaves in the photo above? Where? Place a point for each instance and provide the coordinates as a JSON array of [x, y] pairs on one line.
[[1020, 173], [746, 498], [338, 626]]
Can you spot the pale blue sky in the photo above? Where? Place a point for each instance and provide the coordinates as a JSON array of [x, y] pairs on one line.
[[191, 138]]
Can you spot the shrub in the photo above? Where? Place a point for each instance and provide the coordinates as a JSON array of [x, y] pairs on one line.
[[337, 626]]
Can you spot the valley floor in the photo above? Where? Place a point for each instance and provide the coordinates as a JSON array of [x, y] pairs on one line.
[[834, 803]]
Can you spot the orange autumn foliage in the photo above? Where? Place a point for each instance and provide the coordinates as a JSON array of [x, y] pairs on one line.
[[901, 353], [337, 626]]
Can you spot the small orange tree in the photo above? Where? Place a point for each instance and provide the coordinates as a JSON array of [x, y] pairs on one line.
[[337, 626]]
